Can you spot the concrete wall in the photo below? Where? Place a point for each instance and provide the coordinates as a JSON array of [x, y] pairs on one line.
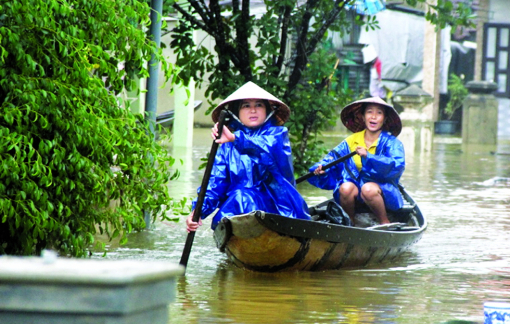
[[499, 11], [165, 99], [503, 117]]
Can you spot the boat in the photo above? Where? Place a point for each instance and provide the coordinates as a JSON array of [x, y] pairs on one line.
[[166, 118], [266, 242]]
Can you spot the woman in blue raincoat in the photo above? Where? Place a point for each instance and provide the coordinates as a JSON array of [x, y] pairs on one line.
[[373, 174], [253, 167]]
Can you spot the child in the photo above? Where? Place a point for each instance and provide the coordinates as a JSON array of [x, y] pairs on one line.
[[253, 167], [373, 174]]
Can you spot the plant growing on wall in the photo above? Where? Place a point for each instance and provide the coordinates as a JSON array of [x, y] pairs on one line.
[[67, 148], [457, 92]]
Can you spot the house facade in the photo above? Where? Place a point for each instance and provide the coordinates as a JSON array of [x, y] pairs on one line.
[[413, 52], [492, 56]]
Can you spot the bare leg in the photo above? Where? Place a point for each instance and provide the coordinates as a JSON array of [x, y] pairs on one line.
[[348, 194], [372, 195]]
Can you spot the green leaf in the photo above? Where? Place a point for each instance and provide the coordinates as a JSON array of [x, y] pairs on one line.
[[63, 129]]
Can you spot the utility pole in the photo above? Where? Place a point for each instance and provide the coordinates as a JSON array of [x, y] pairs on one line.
[[151, 102]]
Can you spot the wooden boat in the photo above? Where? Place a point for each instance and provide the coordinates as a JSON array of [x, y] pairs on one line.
[[268, 242]]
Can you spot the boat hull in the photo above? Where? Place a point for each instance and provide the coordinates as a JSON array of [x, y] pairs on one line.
[[267, 242]]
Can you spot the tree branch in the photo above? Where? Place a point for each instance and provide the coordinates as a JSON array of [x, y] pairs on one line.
[[187, 16], [305, 48], [217, 18], [235, 7], [238, 55], [284, 37], [221, 37], [243, 49], [301, 53], [339, 6]]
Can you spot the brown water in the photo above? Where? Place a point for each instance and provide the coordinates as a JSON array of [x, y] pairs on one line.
[[461, 262]]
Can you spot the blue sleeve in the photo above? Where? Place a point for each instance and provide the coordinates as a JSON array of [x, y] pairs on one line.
[[217, 186], [333, 175], [387, 165], [270, 148]]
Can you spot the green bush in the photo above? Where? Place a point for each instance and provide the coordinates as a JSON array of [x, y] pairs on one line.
[[458, 92], [67, 148]]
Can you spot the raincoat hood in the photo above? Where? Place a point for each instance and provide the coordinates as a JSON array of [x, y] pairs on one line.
[[252, 91]]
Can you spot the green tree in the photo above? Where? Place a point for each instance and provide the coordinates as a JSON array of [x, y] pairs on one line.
[[67, 147], [300, 78]]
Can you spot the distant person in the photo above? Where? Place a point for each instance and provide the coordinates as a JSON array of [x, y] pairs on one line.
[[371, 176], [370, 57], [253, 167]]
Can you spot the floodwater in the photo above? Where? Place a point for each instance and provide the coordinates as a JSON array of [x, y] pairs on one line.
[[461, 262]]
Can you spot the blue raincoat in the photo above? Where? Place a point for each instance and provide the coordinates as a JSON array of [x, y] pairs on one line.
[[385, 168], [254, 172]]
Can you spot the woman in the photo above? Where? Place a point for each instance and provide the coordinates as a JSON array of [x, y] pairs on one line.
[[373, 174], [253, 167]]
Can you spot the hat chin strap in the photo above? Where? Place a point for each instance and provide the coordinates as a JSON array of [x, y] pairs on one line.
[[237, 118], [269, 116], [234, 116]]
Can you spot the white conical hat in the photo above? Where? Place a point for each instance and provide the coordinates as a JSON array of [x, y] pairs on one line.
[[252, 91], [369, 53]]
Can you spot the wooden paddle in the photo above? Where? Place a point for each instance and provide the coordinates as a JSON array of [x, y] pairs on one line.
[[326, 166], [203, 190]]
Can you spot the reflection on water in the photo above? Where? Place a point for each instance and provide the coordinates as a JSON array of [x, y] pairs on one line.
[[333, 296], [461, 262]]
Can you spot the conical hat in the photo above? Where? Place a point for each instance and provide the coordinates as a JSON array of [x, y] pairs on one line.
[[252, 91], [352, 116], [369, 53]]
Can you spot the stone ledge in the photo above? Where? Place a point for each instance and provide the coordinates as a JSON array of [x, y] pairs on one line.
[[57, 290], [87, 271]]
